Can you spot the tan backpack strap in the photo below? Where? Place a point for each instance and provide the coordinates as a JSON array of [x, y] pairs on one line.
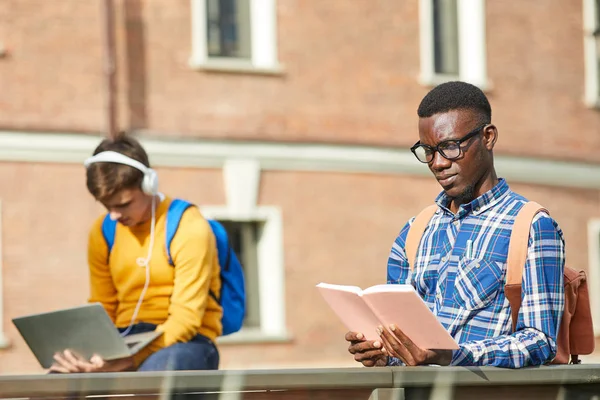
[[519, 242], [415, 233], [517, 256]]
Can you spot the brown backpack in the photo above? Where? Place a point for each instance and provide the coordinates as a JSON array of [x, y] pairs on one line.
[[576, 332]]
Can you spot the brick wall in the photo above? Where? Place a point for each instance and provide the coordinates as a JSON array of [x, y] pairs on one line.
[[350, 75]]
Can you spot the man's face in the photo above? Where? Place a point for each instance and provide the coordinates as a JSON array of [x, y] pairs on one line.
[[129, 206], [460, 178]]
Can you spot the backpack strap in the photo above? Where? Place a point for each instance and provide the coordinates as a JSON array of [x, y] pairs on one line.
[[415, 233], [517, 255], [223, 246], [174, 214], [224, 251], [109, 229]]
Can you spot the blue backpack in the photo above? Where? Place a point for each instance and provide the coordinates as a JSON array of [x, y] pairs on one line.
[[233, 296]]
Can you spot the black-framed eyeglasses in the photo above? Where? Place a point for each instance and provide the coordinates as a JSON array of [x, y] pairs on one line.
[[449, 149]]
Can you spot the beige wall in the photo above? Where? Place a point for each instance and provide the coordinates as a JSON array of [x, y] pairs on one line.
[[337, 228]]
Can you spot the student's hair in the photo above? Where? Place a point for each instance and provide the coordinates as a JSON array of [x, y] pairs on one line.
[[456, 96], [105, 179]]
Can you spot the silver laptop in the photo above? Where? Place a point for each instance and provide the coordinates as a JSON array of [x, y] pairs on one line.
[[87, 330]]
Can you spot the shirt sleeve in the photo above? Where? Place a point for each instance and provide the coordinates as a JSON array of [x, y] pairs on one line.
[[102, 288], [398, 270], [542, 305], [397, 266]]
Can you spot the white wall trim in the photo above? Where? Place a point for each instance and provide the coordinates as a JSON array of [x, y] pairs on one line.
[[426, 42], [593, 271], [590, 46], [472, 42], [241, 181], [263, 26], [271, 272], [74, 148], [199, 46]]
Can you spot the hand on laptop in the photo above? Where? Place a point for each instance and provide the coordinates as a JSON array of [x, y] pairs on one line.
[[70, 362], [400, 346], [368, 352]]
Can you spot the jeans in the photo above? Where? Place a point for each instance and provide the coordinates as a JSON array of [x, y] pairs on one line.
[[200, 353]]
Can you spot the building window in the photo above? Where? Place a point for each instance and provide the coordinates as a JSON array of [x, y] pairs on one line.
[[593, 272], [4, 342], [445, 37], [234, 34], [452, 41], [591, 23], [228, 28], [257, 238], [244, 238]]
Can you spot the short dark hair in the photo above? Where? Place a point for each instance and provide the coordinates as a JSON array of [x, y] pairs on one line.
[[105, 179], [456, 95]]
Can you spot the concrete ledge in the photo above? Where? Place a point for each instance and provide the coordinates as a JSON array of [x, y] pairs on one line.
[[193, 381], [309, 381], [469, 376]]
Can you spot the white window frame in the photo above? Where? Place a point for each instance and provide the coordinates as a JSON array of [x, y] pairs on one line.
[[591, 54], [263, 31], [593, 272], [271, 277], [471, 44], [4, 342]]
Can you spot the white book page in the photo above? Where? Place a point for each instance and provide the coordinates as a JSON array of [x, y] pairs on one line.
[[387, 288], [349, 306], [405, 308], [345, 288]]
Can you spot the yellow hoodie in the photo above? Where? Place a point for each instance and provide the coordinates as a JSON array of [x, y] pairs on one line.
[[177, 298]]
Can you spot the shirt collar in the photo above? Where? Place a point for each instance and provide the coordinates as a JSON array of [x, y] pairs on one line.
[[480, 204]]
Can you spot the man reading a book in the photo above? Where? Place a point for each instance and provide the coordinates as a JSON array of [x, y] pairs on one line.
[[461, 260]]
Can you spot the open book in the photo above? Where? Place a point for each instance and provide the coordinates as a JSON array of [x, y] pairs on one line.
[[363, 310]]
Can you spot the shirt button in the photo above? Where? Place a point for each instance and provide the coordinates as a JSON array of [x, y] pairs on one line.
[[456, 222], [477, 265], [444, 258]]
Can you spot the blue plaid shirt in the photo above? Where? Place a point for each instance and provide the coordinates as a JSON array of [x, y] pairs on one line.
[[466, 291]]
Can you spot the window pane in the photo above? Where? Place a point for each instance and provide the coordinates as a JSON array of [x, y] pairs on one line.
[[243, 237], [597, 36], [228, 28], [598, 62], [445, 36]]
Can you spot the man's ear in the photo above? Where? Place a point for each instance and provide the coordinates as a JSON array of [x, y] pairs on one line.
[[490, 135]]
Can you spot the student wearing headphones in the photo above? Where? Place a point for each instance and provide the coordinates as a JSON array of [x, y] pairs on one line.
[[134, 280]]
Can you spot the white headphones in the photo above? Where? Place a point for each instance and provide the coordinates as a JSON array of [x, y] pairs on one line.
[[150, 181], [149, 187]]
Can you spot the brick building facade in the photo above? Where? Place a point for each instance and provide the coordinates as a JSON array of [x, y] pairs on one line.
[[300, 142]]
